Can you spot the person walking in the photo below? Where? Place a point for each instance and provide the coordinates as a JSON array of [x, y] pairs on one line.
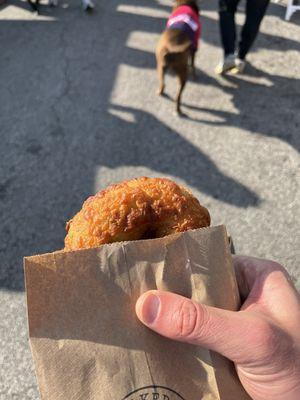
[[234, 58]]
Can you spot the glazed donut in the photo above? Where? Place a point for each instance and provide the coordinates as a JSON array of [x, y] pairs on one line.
[[142, 208]]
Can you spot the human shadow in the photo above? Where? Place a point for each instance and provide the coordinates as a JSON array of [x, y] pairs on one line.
[[169, 153], [252, 100]]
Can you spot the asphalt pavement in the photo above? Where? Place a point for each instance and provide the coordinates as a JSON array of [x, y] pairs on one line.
[[79, 111]]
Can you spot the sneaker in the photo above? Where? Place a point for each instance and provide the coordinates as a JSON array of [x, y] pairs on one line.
[[239, 65], [88, 5], [53, 3], [226, 65]]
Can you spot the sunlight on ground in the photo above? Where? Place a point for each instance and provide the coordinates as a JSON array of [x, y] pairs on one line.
[[145, 11], [126, 93], [14, 13], [105, 176], [143, 41], [124, 115], [253, 79]]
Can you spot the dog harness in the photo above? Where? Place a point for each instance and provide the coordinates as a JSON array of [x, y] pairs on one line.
[[186, 19]]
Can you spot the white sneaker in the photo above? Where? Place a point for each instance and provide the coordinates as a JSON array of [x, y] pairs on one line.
[[239, 65], [226, 65], [88, 5]]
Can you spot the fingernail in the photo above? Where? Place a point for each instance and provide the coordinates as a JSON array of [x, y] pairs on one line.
[[150, 309]]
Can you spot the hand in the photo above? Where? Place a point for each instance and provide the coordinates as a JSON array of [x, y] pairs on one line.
[[262, 339]]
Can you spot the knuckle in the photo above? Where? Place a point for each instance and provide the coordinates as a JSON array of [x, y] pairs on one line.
[[277, 277], [189, 317]]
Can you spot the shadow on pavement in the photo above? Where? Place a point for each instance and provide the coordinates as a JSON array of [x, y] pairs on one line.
[[150, 143], [257, 114], [252, 99]]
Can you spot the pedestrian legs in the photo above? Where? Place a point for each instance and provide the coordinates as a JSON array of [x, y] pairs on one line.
[[234, 61], [255, 11], [227, 9]]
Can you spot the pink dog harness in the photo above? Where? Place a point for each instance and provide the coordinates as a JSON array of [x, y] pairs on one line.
[[186, 19]]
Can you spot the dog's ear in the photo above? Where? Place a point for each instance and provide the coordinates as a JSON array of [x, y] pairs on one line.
[[176, 5], [192, 3], [195, 5]]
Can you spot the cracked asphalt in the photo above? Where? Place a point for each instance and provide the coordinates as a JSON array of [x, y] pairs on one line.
[[79, 111]]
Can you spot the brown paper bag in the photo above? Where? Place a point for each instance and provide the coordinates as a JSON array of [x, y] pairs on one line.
[[86, 341]]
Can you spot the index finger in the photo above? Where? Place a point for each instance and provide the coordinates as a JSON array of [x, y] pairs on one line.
[[252, 270]]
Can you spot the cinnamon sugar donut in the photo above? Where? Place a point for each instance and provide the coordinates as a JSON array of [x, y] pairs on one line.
[[141, 208]]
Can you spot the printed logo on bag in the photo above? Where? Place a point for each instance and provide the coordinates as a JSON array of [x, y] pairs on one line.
[[153, 393]]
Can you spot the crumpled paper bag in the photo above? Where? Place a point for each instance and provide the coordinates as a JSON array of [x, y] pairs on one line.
[[86, 341]]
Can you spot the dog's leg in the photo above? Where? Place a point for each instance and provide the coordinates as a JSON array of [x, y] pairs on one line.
[[194, 75], [161, 70], [182, 77]]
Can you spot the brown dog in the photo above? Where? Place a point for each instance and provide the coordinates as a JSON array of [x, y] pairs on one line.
[[178, 44]]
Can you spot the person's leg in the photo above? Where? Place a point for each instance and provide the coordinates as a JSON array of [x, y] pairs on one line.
[[33, 5], [227, 9], [53, 3], [88, 5], [255, 11]]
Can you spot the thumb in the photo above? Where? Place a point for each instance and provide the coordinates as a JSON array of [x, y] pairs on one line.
[[236, 335]]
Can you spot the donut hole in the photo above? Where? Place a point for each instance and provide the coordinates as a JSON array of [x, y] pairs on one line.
[[149, 233], [157, 230]]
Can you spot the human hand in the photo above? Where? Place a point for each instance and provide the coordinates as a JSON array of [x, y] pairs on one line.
[[262, 339]]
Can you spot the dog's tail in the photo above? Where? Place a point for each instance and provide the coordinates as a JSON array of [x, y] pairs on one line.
[[176, 42], [174, 52], [179, 47]]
